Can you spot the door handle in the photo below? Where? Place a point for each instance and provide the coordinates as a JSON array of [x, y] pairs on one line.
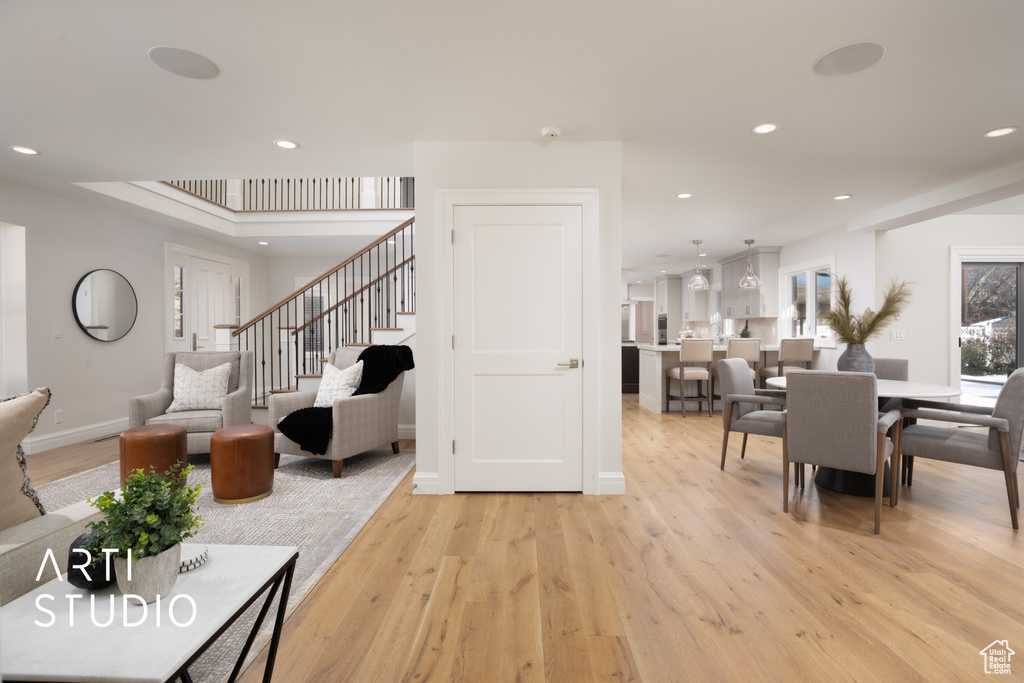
[[573, 363]]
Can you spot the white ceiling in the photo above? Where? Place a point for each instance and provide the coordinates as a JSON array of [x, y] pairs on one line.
[[680, 83]]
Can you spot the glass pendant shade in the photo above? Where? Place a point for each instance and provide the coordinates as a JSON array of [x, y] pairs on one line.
[[749, 280], [698, 283]]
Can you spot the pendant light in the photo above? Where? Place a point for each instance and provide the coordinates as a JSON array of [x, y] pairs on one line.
[[749, 281], [698, 283]]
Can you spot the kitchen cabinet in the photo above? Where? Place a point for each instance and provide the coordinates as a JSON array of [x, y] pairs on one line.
[[630, 370], [668, 302], [695, 304], [739, 303]]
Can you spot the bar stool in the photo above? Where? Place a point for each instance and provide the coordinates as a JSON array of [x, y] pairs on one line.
[[747, 349], [692, 351], [791, 352]]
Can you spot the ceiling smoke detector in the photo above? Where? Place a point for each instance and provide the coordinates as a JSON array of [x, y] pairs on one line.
[[550, 133]]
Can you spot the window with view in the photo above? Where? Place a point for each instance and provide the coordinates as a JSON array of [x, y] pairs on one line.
[[806, 297]]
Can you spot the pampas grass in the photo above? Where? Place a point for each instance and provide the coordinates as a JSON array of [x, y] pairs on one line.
[[851, 328]]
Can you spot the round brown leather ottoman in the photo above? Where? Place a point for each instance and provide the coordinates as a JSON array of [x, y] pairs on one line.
[[242, 463], [153, 446]]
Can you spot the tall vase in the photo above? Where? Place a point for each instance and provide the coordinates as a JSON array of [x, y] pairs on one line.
[[855, 359], [152, 577]]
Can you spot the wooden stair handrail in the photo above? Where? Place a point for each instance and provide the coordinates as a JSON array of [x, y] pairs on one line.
[[316, 281], [351, 296]]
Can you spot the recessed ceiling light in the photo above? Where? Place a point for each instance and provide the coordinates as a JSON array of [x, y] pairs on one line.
[[1000, 132], [702, 254], [639, 281], [684, 195], [843, 196], [664, 271], [24, 150], [264, 243], [286, 144], [766, 128], [849, 59], [183, 63]]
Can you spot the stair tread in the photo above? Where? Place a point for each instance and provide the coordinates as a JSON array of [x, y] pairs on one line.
[[387, 329]]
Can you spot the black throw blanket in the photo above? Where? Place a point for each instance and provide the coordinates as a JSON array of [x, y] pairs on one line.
[[311, 428]]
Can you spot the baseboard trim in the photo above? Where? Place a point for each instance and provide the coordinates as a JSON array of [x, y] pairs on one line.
[[611, 484], [46, 442], [425, 484], [406, 431]]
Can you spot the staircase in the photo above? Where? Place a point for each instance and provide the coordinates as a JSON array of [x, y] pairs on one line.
[[368, 299]]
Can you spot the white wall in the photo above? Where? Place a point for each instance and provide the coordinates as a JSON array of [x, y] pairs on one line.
[[641, 291], [854, 254], [471, 165], [14, 346], [920, 254], [91, 381]]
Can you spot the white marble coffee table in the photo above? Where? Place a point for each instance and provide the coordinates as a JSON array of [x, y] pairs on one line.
[[76, 647]]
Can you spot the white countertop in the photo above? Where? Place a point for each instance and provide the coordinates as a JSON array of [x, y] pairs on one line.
[[894, 388], [674, 348]]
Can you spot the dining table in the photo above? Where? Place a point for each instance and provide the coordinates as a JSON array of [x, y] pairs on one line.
[[858, 483]]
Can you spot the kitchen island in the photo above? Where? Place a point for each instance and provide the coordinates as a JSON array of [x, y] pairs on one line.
[[656, 359]]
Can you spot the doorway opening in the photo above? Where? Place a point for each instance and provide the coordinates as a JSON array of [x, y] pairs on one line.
[[990, 339]]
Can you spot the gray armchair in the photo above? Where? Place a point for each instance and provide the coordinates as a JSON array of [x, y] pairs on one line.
[[742, 410], [997, 448], [235, 409], [832, 420], [360, 423]]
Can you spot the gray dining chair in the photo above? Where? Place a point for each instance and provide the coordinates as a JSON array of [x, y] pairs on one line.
[[997, 448], [898, 369], [741, 408], [892, 368], [832, 420]]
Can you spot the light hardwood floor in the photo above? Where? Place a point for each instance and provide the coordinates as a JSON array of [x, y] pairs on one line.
[[694, 574]]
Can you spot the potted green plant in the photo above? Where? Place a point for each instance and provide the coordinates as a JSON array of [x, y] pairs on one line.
[[146, 522], [855, 330]]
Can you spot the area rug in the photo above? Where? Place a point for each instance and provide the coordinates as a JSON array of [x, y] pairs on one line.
[[309, 509]]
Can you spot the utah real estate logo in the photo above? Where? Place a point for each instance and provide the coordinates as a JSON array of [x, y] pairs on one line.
[[997, 657]]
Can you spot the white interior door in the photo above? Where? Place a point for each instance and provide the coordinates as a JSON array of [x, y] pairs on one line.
[[215, 297], [518, 325]]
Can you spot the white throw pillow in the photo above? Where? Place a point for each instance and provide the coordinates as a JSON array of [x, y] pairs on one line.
[[199, 390], [337, 383]]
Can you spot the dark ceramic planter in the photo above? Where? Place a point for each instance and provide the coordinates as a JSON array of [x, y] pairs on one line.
[[855, 359]]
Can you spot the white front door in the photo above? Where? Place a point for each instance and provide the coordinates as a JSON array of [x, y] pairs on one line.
[[518, 325], [203, 292], [216, 300]]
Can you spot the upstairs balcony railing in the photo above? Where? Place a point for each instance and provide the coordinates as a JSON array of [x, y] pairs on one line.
[[340, 308], [303, 194]]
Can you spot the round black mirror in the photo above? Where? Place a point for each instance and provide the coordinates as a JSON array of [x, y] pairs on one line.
[[104, 304]]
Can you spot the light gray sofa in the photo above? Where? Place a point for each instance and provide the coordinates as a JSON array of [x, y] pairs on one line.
[[23, 547]]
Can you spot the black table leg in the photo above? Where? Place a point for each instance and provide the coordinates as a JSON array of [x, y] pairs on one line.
[[268, 672], [276, 638], [852, 483]]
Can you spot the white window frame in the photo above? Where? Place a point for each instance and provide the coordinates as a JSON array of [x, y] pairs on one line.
[[808, 268]]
